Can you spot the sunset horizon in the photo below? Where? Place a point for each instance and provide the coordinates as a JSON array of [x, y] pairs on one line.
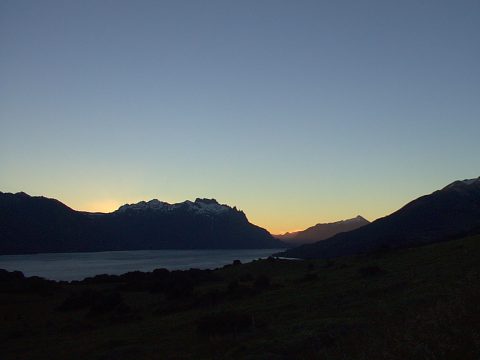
[[110, 205], [295, 113], [243, 179]]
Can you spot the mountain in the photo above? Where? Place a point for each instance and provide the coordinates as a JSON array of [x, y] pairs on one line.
[[38, 224], [322, 231], [447, 213]]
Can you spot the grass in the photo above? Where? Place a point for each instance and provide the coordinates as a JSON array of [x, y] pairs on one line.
[[419, 303]]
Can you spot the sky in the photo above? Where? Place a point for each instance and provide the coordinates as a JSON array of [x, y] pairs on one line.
[[297, 112]]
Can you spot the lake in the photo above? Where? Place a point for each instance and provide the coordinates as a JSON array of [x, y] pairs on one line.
[[77, 266]]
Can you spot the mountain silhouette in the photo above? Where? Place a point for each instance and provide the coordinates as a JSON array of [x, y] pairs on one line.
[[37, 224], [322, 231], [447, 213]]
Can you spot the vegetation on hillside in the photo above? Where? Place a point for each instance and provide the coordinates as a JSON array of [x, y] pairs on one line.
[[419, 303]]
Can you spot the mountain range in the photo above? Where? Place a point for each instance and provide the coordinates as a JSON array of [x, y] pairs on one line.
[[322, 231], [451, 212], [31, 224]]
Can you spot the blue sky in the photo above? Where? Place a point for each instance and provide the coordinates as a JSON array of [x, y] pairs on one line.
[[297, 112]]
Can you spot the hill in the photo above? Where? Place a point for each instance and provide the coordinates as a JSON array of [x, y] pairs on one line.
[[447, 213], [419, 303], [38, 224], [322, 231]]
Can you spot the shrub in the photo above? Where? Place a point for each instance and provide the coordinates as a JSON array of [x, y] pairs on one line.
[[233, 286], [98, 302], [77, 301], [246, 277], [40, 285], [369, 271], [261, 282], [133, 276], [6, 275], [226, 322], [101, 279], [309, 277], [15, 281], [329, 263], [107, 303], [180, 285], [160, 274]]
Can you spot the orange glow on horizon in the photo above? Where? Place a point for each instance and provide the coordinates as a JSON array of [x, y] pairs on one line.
[[102, 206], [281, 232], [278, 225], [110, 205]]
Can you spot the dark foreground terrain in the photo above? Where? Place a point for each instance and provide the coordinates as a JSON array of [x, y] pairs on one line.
[[420, 303]]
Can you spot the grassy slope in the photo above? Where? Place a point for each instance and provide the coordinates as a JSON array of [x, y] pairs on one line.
[[414, 303]]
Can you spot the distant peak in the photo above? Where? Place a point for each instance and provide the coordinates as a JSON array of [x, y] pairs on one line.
[[200, 206], [357, 218], [206, 201], [23, 194], [153, 204]]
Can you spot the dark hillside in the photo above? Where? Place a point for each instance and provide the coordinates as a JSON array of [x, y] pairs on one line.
[[37, 224], [406, 304], [451, 212]]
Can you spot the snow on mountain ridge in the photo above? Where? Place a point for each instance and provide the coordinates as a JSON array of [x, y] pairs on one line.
[[470, 181], [200, 206], [467, 182]]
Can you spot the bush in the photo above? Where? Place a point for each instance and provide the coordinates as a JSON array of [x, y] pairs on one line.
[[101, 279], [160, 274], [98, 302], [309, 277], [212, 297], [236, 290], [6, 276], [15, 281], [107, 303], [370, 271], [40, 285], [329, 264], [180, 285], [133, 276], [226, 322], [261, 282], [233, 286], [246, 277], [81, 300]]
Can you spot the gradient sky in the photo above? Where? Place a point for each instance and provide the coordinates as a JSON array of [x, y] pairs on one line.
[[297, 112]]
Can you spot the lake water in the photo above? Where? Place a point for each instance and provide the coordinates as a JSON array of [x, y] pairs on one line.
[[77, 266]]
